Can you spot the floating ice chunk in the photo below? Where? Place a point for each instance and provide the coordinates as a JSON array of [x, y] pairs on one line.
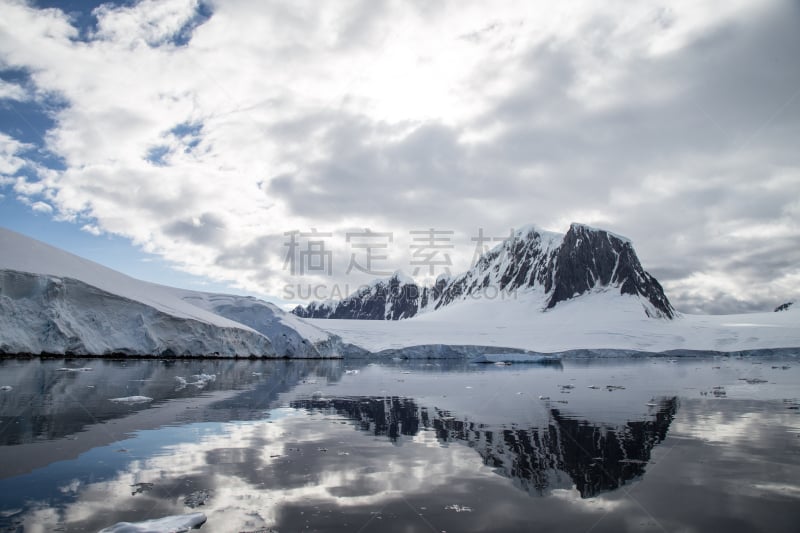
[[6, 388], [82, 369], [140, 488], [351, 372], [200, 380], [459, 508], [132, 399], [197, 498], [169, 524]]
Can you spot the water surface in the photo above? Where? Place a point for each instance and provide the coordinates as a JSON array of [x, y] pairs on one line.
[[590, 445]]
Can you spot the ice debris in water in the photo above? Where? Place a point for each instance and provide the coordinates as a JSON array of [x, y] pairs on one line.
[[200, 380], [140, 488], [197, 498], [459, 508], [81, 369], [6, 388], [351, 372], [168, 524], [132, 399]]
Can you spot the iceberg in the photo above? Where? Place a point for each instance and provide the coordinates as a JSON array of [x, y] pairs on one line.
[[168, 524]]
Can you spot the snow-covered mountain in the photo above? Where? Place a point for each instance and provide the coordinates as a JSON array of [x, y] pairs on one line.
[[55, 302], [543, 265]]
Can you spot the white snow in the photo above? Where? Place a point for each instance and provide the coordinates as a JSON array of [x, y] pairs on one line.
[[24, 254], [598, 230], [169, 524], [602, 320], [402, 277]]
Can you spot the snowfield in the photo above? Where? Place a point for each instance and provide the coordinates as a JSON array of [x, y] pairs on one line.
[[598, 321]]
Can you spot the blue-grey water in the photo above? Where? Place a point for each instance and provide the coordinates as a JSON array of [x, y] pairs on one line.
[[649, 444]]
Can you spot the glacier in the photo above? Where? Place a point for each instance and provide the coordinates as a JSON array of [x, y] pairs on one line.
[[56, 303]]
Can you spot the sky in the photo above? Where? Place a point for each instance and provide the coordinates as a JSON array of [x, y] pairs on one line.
[[300, 148]]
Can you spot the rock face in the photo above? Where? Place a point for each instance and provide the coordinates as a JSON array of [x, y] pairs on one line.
[[387, 299], [558, 267], [783, 307]]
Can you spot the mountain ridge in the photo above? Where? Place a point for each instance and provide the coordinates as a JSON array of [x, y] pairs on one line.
[[558, 267]]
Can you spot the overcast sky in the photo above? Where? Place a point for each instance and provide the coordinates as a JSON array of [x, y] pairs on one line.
[[202, 133]]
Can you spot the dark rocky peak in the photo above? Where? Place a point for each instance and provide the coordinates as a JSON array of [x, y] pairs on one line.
[[590, 258], [559, 267], [392, 298]]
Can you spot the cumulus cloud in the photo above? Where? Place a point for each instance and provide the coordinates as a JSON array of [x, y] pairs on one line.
[[42, 207], [12, 91], [10, 157], [207, 132]]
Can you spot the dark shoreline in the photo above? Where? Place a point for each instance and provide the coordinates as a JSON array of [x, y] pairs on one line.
[[432, 352]]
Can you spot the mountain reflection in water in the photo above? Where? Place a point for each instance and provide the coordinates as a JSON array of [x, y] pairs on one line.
[[595, 458]]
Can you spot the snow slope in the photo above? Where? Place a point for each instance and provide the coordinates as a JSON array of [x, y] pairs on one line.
[[52, 301], [607, 320]]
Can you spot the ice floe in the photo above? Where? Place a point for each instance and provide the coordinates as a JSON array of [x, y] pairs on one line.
[[168, 524]]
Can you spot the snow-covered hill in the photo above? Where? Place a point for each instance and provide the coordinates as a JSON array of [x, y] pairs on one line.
[[607, 320], [543, 267], [55, 302]]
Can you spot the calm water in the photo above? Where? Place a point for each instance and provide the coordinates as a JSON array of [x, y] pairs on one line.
[[609, 445]]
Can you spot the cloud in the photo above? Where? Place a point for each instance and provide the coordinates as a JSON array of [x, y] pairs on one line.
[[10, 160], [92, 229], [41, 207], [12, 91], [206, 131]]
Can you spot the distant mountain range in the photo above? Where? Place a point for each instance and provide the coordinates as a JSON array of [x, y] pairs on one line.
[[551, 267]]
